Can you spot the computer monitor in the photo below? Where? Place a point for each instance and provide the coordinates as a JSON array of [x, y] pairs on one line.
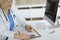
[[51, 11]]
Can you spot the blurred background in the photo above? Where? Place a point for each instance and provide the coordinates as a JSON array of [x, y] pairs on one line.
[[32, 9]]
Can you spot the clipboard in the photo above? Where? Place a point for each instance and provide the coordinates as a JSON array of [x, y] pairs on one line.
[[22, 30], [37, 34]]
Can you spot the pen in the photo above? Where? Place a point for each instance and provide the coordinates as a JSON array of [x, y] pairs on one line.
[[19, 32]]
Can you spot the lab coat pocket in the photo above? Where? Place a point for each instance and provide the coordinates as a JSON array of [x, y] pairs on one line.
[[2, 37]]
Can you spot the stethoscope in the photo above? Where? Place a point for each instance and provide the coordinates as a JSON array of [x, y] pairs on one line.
[[14, 16], [9, 12]]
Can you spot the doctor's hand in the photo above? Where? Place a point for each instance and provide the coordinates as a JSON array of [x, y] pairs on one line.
[[21, 36], [29, 28]]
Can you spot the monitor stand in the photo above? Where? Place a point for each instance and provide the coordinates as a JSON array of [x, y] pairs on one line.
[[56, 25]]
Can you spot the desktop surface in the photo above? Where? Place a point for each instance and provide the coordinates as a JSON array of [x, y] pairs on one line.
[[45, 33]]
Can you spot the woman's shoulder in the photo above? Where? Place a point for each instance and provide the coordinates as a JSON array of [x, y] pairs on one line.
[[15, 10]]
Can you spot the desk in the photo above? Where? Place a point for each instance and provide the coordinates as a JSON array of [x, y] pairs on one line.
[[44, 33]]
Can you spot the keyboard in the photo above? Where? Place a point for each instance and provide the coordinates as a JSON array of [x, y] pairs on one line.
[[40, 25]]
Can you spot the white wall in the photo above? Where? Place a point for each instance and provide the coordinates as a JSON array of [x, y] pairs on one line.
[[28, 13], [35, 13]]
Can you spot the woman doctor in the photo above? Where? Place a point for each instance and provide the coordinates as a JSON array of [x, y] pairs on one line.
[[9, 23]]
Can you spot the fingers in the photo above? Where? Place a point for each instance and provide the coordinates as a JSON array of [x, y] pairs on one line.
[[25, 37], [21, 36]]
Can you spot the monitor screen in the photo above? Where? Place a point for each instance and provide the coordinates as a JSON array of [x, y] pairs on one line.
[[51, 9]]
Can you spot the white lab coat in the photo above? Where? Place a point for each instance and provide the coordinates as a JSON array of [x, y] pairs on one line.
[[5, 25]]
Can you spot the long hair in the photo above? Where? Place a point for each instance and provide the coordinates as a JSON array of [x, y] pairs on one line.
[[2, 2]]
